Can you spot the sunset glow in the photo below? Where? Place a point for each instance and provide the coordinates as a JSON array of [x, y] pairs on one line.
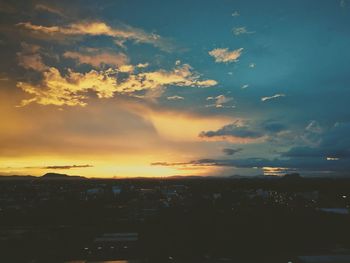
[[110, 88]]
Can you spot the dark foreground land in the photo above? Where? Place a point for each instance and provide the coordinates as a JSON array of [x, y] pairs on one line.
[[58, 219]]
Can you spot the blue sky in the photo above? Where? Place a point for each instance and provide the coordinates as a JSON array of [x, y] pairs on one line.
[[175, 87]]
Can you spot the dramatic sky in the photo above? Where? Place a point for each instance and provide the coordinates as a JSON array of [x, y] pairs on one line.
[[159, 88]]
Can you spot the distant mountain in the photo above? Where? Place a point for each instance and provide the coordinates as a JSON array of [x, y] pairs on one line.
[[47, 176], [17, 177], [57, 176]]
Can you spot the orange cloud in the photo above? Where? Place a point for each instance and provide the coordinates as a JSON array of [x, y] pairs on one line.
[[30, 58]]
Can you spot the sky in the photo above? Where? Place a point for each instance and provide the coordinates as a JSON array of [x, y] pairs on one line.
[[158, 88]]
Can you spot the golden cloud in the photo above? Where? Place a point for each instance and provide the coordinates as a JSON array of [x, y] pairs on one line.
[[98, 28], [180, 76], [71, 89], [224, 55], [68, 90]]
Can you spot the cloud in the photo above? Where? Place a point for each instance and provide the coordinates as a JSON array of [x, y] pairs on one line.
[[72, 88], [273, 126], [200, 162], [192, 124], [60, 167], [30, 58], [98, 28], [67, 167], [233, 131], [126, 68], [175, 97], [230, 151], [225, 56], [97, 58], [242, 131], [68, 90], [220, 101], [31, 61], [154, 82], [75, 134], [235, 13], [126, 132], [332, 158], [206, 83], [42, 29], [273, 97], [182, 75], [142, 65], [333, 143], [314, 127], [312, 135], [241, 30], [304, 151], [50, 9], [295, 164]]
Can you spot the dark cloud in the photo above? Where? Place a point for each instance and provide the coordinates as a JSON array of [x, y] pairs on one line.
[[61, 167], [330, 155], [67, 167], [200, 162], [269, 128], [233, 130], [303, 151], [298, 164], [273, 127], [333, 143], [230, 151]]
